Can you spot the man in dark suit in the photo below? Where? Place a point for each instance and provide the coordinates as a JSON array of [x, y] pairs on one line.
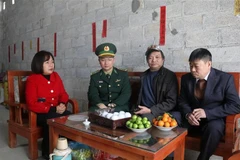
[[110, 86], [205, 109]]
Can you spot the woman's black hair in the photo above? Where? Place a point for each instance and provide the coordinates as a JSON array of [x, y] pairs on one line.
[[200, 54], [38, 60]]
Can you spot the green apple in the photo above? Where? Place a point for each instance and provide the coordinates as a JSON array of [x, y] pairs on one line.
[[147, 125], [135, 126], [145, 118], [141, 126], [134, 117], [139, 118]]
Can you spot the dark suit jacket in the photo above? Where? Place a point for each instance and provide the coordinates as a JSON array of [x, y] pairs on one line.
[[116, 90], [165, 89], [220, 99]]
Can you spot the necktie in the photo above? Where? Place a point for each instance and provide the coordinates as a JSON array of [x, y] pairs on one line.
[[200, 88], [108, 76]]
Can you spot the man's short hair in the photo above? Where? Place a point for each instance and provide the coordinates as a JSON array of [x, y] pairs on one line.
[[200, 54], [153, 48], [38, 60]]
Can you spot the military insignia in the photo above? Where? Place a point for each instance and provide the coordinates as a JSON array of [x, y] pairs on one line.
[[100, 81], [118, 80], [106, 48]]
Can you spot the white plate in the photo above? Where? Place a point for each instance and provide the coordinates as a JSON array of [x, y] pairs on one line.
[[139, 130], [165, 128], [77, 117]]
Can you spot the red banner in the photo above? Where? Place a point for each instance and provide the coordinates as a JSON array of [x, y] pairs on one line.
[[9, 60], [104, 29], [14, 48], [55, 44], [162, 30], [38, 44], [93, 36], [22, 50]]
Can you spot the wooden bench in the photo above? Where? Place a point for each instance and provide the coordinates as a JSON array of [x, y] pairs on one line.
[[22, 121], [192, 142]]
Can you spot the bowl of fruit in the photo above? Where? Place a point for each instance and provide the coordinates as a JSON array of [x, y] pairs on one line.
[[138, 124], [166, 122]]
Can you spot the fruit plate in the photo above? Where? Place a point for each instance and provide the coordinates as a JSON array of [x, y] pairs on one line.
[[165, 128], [138, 130]]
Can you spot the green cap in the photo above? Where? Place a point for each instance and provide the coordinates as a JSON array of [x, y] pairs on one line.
[[106, 49]]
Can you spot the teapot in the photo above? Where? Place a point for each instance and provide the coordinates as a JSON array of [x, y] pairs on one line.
[[62, 152]]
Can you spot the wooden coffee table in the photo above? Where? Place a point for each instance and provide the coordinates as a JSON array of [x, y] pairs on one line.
[[151, 145]]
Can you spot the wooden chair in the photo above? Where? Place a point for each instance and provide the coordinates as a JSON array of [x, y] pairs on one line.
[[235, 156], [226, 146], [22, 121]]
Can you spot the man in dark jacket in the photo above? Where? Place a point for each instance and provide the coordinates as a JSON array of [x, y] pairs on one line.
[[205, 111], [159, 87]]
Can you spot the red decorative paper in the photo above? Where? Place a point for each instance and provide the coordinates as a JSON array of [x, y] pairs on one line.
[[22, 50], [162, 31], [38, 44], [9, 59], [93, 36], [55, 44], [30, 45], [14, 47], [104, 29]]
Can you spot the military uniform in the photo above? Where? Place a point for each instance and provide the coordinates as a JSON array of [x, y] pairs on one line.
[[114, 90]]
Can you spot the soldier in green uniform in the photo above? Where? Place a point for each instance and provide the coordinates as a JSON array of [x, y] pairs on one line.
[[110, 86]]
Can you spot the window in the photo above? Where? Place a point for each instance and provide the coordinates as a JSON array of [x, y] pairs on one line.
[[13, 1]]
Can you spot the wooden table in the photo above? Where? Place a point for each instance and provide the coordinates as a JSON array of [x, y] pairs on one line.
[[122, 142]]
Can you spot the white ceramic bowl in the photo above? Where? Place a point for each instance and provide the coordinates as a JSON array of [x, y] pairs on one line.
[[165, 128], [138, 130]]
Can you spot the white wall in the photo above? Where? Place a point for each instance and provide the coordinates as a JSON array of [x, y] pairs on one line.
[[190, 24]]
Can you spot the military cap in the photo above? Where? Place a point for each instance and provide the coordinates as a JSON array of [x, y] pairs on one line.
[[106, 49], [154, 48]]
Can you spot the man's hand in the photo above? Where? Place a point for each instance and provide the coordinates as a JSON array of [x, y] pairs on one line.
[[101, 105], [143, 110], [192, 119], [199, 113]]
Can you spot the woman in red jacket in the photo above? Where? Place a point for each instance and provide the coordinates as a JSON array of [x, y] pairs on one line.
[[45, 94]]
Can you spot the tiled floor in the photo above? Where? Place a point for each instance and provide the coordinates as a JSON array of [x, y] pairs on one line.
[[20, 152]]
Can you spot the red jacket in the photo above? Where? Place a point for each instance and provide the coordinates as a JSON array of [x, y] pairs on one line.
[[39, 89]]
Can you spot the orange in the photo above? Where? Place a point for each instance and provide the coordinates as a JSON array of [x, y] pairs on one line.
[[166, 115], [166, 124], [165, 119], [155, 123], [160, 123], [154, 119], [169, 119], [173, 123]]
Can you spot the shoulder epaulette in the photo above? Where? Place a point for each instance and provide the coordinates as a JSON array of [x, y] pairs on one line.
[[95, 72], [122, 69]]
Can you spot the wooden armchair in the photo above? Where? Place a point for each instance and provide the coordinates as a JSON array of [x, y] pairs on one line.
[[226, 146], [22, 121]]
